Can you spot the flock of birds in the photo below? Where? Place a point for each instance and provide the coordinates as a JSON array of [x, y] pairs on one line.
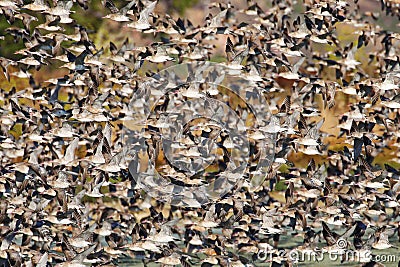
[[68, 192]]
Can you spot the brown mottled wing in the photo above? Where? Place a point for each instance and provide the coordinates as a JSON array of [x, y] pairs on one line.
[[365, 164], [113, 48], [311, 166], [184, 262], [331, 90], [62, 200], [238, 210], [98, 139], [289, 193], [328, 235], [302, 125], [78, 218], [286, 105], [229, 49], [69, 251], [375, 97], [110, 5], [327, 187], [106, 150]]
